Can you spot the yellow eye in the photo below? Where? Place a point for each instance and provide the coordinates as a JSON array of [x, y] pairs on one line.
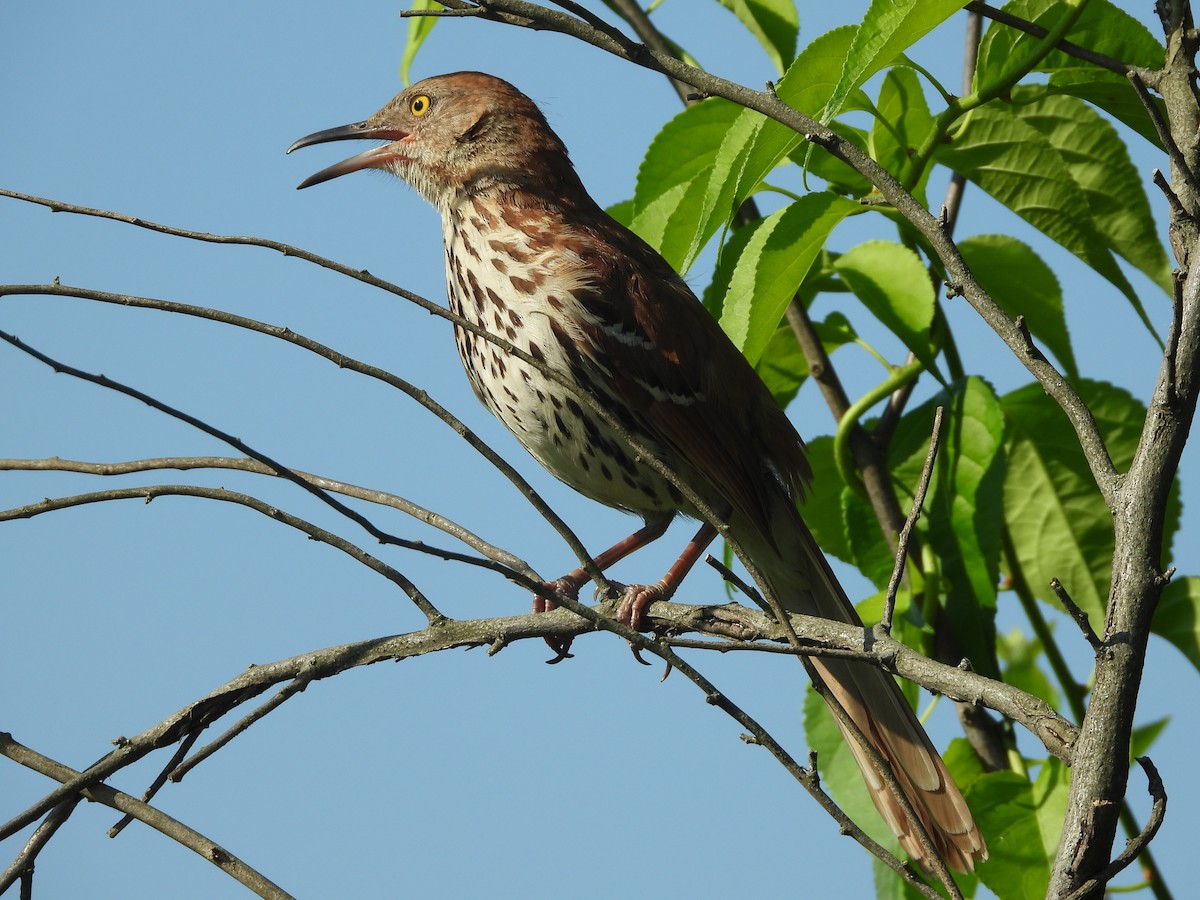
[[419, 105]]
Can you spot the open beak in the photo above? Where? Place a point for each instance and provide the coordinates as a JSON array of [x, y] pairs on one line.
[[375, 158]]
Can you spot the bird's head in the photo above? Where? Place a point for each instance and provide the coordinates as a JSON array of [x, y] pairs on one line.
[[453, 134]]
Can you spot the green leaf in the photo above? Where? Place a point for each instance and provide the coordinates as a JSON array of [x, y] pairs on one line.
[[1144, 736], [418, 29], [1023, 285], [1097, 159], [1020, 655], [1056, 519], [776, 257], [673, 177], [684, 148], [1023, 824], [774, 24], [665, 223], [622, 212], [962, 509], [1177, 618], [893, 284], [869, 549], [1103, 28], [782, 366], [889, 28], [822, 509], [1017, 164], [903, 120], [753, 145]]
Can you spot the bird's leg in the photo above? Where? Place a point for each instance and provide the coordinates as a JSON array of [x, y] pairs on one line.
[[636, 597], [570, 583]]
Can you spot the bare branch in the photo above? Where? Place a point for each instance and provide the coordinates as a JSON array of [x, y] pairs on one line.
[[22, 865], [92, 789], [371, 495]]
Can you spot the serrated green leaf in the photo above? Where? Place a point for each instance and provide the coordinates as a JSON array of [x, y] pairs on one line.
[[1023, 823], [903, 120], [753, 145], [1099, 162], [418, 30], [1056, 519], [962, 509], [1103, 28], [683, 148], [774, 261], [774, 24], [1023, 285], [1177, 618], [894, 285], [1017, 164], [889, 28]]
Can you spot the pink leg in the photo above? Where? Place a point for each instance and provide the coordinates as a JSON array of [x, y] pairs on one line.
[[638, 596], [570, 583]]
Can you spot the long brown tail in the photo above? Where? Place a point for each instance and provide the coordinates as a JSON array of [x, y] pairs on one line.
[[802, 579]]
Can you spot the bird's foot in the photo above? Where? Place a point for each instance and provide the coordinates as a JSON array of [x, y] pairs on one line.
[[635, 598], [560, 646]]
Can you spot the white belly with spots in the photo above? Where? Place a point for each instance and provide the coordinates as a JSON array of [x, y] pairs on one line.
[[496, 281]]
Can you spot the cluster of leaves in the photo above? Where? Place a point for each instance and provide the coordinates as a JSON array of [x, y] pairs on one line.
[[1012, 504]]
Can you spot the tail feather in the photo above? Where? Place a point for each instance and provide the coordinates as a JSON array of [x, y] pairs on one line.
[[798, 572]]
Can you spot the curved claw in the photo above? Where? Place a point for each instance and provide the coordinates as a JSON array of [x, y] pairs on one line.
[[637, 654], [561, 648]]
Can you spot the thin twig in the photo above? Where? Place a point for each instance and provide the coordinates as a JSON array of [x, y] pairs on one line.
[[419, 599], [1162, 130], [1080, 617], [181, 751], [1005, 18], [177, 773], [889, 603], [149, 493], [75, 782], [22, 865], [370, 495]]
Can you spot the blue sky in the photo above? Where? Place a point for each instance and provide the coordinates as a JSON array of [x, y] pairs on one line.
[[453, 774]]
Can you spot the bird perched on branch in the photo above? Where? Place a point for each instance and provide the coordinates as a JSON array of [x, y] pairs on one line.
[[532, 259]]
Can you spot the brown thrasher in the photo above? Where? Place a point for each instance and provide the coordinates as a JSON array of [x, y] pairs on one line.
[[533, 259]]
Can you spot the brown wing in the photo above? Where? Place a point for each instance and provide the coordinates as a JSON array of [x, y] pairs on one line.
[[691, 386]]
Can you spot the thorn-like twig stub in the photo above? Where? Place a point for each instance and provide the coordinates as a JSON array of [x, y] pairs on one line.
[[1080, 617], [953, 289], [696, 95]]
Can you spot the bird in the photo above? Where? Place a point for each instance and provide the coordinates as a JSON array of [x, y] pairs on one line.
[[532, 259]]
